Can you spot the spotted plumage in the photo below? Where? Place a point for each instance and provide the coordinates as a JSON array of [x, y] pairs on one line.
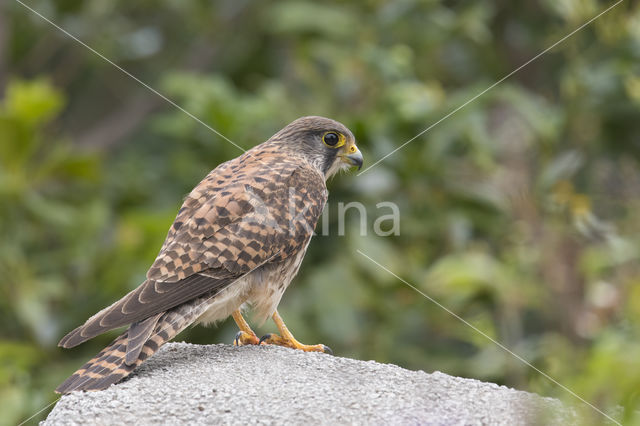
[[238, 239]]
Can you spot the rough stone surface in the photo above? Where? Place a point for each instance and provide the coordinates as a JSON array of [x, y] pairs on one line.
[[222, 384]]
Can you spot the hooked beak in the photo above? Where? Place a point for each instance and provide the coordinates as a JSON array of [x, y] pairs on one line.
[[354, 157]]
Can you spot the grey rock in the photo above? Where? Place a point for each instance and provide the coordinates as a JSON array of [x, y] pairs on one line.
[[223, 384]]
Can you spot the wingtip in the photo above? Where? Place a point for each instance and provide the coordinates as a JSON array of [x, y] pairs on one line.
[[74, 338], [65, 342]]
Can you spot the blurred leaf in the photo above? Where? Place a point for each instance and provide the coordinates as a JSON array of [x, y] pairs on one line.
[[308, 17], [32, 102]]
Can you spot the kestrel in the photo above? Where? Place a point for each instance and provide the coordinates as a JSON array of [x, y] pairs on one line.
[[238, 240]]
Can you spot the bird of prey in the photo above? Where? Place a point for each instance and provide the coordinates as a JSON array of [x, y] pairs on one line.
[[237, 241]]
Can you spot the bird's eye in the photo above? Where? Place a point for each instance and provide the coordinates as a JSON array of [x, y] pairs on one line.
[[331, 139]]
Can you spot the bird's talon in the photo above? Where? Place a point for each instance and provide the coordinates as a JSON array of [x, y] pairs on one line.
[[243, 338], [327, 350], [264, 338]]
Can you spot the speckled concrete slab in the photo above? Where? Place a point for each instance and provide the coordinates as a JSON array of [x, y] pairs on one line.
[[222, 384]]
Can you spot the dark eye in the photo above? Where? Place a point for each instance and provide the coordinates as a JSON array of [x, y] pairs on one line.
[[331, 138]]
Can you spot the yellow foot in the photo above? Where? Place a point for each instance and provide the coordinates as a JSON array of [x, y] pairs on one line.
[[243, 338], [275, 339], [286, 338]]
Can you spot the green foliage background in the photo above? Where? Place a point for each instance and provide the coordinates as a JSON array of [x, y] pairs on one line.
[[518, 213]]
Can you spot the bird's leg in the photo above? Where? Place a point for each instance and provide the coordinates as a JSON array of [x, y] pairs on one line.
[[286, 338], [245, 336]]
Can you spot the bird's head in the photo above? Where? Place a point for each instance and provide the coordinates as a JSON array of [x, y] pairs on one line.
[[325, 143]]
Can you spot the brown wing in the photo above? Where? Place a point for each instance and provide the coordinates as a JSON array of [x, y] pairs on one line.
[[256, 209]]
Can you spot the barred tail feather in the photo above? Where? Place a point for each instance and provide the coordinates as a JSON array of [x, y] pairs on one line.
[[104, 369], [111, 364]]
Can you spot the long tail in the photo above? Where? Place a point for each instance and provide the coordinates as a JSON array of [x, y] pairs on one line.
[[115, 362]]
